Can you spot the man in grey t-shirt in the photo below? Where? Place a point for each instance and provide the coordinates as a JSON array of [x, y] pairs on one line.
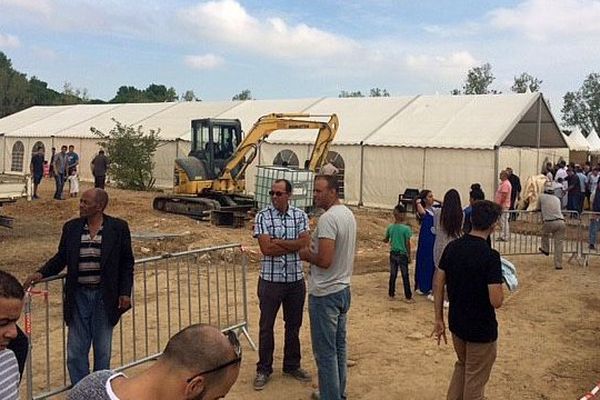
[[198, 362], [331, 258]]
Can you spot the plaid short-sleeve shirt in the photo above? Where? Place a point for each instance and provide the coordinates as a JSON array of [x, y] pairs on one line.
[[286, 226]]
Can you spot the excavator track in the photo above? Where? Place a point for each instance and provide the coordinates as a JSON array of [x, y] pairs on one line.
[[194, 207]]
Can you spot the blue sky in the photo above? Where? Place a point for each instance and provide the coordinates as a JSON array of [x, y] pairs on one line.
[[293, 49]]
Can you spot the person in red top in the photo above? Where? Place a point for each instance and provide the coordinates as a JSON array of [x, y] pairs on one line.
[[502, 198]]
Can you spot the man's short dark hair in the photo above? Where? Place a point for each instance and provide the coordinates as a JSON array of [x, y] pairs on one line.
[[485, 213], [10, 288], [332, 182], [101, 152], [197, 348], [71, 146], [400, 209], [288, 185]]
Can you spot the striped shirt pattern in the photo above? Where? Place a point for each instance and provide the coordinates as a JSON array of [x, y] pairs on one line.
[[89, 257], [9, 375], [289, 225]]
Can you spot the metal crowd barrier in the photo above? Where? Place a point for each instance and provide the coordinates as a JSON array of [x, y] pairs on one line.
[[525, 234], [170, 292], [590, 221]]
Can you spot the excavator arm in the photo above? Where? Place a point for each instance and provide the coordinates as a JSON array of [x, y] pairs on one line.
[[248, 149]]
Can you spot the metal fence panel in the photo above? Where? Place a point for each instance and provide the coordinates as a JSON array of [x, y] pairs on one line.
[[525, 236], [170, 292]]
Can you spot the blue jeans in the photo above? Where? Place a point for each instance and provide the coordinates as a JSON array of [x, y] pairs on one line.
[[60, 183], [594, 227], [328, 317], [89, 326]]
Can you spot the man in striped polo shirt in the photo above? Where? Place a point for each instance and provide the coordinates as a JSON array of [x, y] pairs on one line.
[[96, 249], [281, 231], [11, 304]]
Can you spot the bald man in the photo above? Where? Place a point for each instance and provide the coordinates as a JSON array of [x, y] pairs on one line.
[[96, 249], [199, 362]]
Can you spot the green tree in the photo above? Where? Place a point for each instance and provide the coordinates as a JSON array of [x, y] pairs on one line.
[[130, 150], [41, 94], [14, 94], [189, 95], [160, 93], [582, 108], [478, 81], [128, 94], [345, 93], [245, 94], [525, 82], [377, 92]]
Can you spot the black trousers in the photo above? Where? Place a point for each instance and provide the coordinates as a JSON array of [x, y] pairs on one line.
[[99, 181], [271, 296], [399, 261]]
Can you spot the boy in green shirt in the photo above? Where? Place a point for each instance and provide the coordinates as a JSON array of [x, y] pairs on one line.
[[398, 235]]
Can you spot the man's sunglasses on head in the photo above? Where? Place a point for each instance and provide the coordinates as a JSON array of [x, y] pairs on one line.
[[235, 343]]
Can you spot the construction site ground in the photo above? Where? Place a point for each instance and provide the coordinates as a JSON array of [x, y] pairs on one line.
[[549, 341]]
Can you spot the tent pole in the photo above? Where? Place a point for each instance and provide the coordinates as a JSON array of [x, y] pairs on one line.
[[539, 131], [496, 168], [3, 152], [362, 155], [423, 169]]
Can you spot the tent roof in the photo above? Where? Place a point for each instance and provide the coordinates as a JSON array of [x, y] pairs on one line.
[[594, 142], [479, 121], [576, 141]]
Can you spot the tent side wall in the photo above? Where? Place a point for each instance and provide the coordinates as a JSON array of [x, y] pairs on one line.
[[388, 171], [458, 169]]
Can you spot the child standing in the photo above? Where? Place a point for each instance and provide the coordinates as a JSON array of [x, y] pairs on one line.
[[73, 183], [398, 235]]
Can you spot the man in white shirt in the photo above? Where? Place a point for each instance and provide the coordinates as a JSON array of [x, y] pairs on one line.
[[11, 304]]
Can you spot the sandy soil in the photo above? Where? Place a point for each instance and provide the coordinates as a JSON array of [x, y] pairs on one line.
[[549, 344]]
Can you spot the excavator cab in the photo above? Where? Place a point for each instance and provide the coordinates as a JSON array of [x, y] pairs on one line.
[[214, 141]]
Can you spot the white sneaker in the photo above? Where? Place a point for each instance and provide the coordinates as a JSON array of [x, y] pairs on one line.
[[446, 304], [430, 297], [417, 291]]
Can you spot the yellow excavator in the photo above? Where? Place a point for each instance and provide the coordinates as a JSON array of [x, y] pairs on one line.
[[212, 177]]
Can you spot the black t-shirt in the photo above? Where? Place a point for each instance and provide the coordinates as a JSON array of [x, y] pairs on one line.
[[471, 265], [37, 160]]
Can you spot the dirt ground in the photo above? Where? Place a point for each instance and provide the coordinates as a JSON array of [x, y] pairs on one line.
[[549, 346]]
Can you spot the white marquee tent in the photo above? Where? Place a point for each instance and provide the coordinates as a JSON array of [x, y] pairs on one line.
[[594, 142], [383, 146]]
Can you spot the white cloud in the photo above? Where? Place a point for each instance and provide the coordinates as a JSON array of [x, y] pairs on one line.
[[9, 41], [206, 61], [543, 19], [228, 22], [448, 67], [448, 31], [32, 6]]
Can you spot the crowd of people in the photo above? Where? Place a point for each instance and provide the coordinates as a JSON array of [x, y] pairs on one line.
[[63, 167], [456, 267]]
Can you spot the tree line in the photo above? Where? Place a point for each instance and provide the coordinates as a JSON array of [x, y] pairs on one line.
[[581, 108], [18, 92]]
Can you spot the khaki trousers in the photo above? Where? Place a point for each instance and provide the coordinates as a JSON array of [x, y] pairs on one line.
[[471, 370], [557, 229]]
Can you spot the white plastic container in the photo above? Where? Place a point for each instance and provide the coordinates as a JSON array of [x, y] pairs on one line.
[[302, 185]]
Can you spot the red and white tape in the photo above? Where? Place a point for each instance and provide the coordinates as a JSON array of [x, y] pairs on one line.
[[592, 393], [29, 293]]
